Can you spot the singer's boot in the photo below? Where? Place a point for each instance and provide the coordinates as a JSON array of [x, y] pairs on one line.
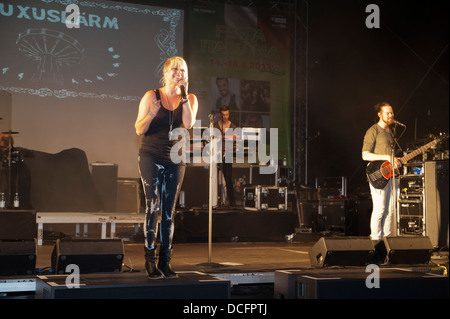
[[150, 264], [164, 262]]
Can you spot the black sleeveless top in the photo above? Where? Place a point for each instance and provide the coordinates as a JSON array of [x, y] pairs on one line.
[[155, 141]]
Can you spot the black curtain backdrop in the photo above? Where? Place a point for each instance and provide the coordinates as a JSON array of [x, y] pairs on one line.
[[62, 182]]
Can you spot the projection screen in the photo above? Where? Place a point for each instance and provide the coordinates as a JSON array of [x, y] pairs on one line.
[[80, 87]]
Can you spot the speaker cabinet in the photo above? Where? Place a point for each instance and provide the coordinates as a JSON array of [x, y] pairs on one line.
[[129, 195], [104, 177], [436, 202], [240, 177], [408, 250], [348, 251], [195, 187], [90, 255], [17, 257], [5, 110], [17, 224]]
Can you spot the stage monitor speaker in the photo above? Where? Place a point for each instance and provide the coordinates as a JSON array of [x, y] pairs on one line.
[[350, 251], [408, 250], [17, 257], [90, 255]]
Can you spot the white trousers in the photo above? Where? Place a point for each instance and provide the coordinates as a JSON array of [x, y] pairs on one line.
[[383, 200]]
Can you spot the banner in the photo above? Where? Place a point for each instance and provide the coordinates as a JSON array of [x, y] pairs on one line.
[[240, 57]]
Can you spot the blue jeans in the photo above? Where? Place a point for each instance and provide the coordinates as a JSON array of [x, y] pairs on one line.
[[162, 182]]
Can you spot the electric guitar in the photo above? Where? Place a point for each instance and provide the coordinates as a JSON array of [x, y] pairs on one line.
[[379, 172]]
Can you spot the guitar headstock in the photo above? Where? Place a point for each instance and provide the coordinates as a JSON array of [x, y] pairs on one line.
[[441, 137]]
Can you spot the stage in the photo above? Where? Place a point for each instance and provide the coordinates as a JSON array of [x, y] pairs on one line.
[[238, 270]]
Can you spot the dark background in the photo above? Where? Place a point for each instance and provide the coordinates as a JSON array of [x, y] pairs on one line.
[[404, 62], [351, 68]]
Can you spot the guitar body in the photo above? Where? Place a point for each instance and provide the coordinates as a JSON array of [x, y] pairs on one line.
[[378, 173]]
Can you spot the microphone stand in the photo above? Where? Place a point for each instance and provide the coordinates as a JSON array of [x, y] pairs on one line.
[[210, 204], [220, 177], [393, 192], [9, 171], [211, 158], [394, 188], [394, 196]]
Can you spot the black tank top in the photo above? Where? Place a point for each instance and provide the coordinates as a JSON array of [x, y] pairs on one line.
[[155, 141]]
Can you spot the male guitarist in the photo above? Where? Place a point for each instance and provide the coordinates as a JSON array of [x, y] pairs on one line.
[[378, 146]]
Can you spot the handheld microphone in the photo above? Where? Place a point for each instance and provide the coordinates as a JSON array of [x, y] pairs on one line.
[[398, 123], [183, 92]]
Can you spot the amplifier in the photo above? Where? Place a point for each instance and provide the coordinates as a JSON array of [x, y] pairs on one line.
[[261, 197], [410, 186], [130, 196], [104, 177], [279, 178], [195, 188], [410, 208], [307, 213], [333, 212], [410, 225], [338, 183], [411, 217]]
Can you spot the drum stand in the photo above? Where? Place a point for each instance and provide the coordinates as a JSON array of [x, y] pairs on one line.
[[7, 188]]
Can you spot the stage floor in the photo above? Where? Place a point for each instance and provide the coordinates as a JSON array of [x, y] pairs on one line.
[[246, 257], [249, 266], [241, 262]]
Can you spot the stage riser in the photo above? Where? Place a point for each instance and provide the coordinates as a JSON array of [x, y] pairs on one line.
[[351, 284], [134, 286], [248, 224]]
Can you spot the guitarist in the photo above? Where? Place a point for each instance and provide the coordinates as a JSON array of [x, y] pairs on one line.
[[377, 146]]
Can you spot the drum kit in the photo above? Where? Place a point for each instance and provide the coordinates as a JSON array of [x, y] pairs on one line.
[[11, 159]]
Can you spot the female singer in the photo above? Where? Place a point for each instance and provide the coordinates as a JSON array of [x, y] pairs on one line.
[[160, 112]]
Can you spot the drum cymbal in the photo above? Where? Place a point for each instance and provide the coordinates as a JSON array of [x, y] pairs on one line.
[[10, 132]]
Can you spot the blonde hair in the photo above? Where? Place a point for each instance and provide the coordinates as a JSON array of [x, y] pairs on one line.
[[170, 62]]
